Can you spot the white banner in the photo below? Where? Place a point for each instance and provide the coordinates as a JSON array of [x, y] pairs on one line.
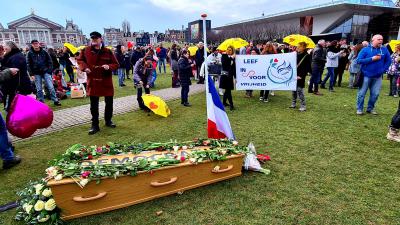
[[266, 72]]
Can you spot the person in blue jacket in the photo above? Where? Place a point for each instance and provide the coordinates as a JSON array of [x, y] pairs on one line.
[[375, 60]]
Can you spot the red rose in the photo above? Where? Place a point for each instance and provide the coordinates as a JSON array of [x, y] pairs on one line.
[[90, 157], [276, 60], [85, 174], [183, 159]]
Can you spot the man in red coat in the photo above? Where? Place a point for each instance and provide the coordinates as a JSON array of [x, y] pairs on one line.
[[98, 62]]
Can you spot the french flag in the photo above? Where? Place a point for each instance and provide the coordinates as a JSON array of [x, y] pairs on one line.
[[218, 125]]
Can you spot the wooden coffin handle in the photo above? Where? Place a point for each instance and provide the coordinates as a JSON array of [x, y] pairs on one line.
[[158, 184], [230, 167], [83, 199]]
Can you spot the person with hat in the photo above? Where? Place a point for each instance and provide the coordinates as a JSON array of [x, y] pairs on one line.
[[40, 67], [98, 62]]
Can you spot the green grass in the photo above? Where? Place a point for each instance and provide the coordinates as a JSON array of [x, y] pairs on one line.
[[328, 165], [163, 81]]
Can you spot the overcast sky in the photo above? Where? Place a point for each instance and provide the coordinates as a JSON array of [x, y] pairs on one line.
[[147, 15]]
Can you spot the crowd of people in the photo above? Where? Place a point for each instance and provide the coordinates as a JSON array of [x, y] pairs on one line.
[[44, 72]]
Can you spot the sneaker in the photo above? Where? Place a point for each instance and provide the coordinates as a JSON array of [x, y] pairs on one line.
[[395, 96], [373, 112], [57, 103], [359, 112], [261, 99], [8, 164], [293, 106], [302, 109], [331, 90], [393, 135], [272, 93], [323, 86], [266, 100]]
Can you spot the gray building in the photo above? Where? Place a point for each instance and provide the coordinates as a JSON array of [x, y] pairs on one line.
[[354, 19], [49, 33]]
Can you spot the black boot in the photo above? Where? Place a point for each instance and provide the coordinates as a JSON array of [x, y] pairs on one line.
[[7, 164], [110, 124], [94, 129]]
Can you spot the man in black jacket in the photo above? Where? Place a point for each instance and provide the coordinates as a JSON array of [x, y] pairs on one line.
[[40, 67], [317, 66]]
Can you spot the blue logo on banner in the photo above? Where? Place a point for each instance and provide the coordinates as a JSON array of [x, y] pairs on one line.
[[280, 72]]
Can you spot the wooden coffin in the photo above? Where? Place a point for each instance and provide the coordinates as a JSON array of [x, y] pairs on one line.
[[124, 191]]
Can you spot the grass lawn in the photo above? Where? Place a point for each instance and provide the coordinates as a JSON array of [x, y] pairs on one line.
[[163, 81], [328, 165]]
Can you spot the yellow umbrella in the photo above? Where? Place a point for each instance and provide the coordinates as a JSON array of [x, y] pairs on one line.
[[81, 47], [295, 39], [192, 50], [235, 42], [71, 47], [110, 47], [393, 44], [156, 104]]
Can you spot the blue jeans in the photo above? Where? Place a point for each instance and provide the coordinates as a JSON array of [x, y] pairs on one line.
[[48, 81], [63, 83], [5, 146], [314, 80], [161, 61], [153, 78], [374, 85], [331, 76], [121, 76]]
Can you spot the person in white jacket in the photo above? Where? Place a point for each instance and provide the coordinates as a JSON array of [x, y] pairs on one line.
[[332, 62]]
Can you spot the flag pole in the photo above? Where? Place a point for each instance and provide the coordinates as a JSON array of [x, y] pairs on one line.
[[204, 17]]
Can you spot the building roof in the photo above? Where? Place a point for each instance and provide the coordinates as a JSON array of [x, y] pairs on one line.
[[386, 5], [15, 23]]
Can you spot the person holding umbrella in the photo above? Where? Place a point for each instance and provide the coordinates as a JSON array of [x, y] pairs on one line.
[[98, 62], [142, 75]]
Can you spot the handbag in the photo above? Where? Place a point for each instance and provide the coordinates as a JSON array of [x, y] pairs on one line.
[[359, 79]]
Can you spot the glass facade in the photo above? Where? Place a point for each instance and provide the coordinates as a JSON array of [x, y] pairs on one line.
[[386, 3], [353, 27]]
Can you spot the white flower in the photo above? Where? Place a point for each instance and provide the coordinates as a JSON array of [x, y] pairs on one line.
[[235, 143], [184, 147], [58, 177], [43, 219], [47, 192], [38, 188], [28, 208], [52, 171], [50, 205], [83, 182], [216, 168], [223, 152], [39, 206], [192, 160], [176, 148], [153, 163]]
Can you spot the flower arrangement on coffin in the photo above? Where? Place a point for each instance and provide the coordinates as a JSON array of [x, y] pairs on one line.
[[38, 206]]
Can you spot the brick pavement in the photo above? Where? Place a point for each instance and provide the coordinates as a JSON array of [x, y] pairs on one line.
[[79, 115]]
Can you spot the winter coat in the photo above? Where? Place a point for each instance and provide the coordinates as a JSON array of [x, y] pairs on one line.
[[127, 60], [120, 58], [318, 58], [354, 65], [303, 68], [394, 68], [228, 65], [99, 80], [374, 69], [185, 71], [39, 62], [54, 59], [21, 82], [332, 58], [174, 59], [140, 73], [162, 54], [136, 55], [199, 57]]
